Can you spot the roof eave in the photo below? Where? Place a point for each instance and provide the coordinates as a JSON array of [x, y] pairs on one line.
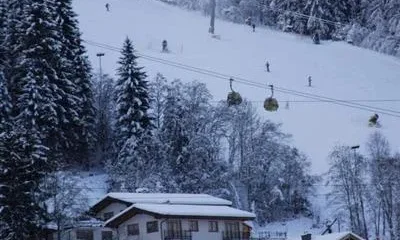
[[124, 216], [106, 201]]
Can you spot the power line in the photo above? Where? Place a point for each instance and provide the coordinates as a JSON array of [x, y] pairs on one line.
[[329, 101], [305, 16], [346, 103]]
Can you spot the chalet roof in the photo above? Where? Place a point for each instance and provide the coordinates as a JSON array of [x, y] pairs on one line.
[[181, 211], [337, 236], [159, 198]]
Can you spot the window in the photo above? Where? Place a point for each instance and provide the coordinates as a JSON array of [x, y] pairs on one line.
[[152, 226], [193, 225], [133, 229], [213, 226], [106, 235], [108, 215], [84, 234], [232, 230], [232, 226]]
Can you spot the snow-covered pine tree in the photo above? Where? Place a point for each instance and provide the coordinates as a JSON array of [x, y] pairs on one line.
[[132, 97], [342, 10], [289, 16], [24, 164], [38, 61], [3, 32], [5, 104], [85, 128], [13, 16], [81, 116], [320, 17], [22, 158], [383, 20]]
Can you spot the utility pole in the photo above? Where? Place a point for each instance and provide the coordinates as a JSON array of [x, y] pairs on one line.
[[99, 55], [100, 96], [212, 21]]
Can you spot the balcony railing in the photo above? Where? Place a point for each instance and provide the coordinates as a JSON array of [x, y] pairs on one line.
[[235, 235], [177, 235]]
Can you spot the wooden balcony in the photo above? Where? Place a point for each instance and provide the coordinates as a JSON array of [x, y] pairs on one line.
[[177, 235]]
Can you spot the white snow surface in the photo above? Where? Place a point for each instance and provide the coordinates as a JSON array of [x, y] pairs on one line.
[[95, 184], [169, 198], [188, 210], [333, 236], [294, 228], [338, 70]]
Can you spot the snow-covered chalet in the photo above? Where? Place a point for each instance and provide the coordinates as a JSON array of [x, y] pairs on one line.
[[159, 216]]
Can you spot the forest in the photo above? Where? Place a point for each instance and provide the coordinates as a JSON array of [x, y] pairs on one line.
[[372, 24]]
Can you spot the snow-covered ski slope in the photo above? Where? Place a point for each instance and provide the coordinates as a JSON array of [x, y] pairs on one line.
[[338, 70]]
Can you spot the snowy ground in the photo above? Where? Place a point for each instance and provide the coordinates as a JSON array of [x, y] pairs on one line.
[[95, 183], [294, 228], [338, 70]]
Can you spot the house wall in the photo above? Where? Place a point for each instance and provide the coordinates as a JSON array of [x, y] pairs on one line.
[[115, 207], [142, 219], [71, 233], [202, 234]]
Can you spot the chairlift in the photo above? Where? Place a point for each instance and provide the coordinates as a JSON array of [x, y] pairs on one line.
[[234, 98], [271, 104]]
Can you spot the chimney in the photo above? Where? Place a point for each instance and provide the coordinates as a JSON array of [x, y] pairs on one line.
[[306, 236]]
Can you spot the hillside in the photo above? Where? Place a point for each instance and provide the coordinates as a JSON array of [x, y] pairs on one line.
[[338, 70]]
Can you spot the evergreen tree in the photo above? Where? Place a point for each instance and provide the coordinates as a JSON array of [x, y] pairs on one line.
[[10, 56], [320, 17], [22, 158], [80, 106], [3, 32], [38, 62], [85, 127], [290, 15], [5, 105], [24, 164], [132, 97]]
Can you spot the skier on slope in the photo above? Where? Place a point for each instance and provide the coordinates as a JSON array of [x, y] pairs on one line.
[[108, 7], [373, 121], [267, 66], [164, 46], [254, 27]]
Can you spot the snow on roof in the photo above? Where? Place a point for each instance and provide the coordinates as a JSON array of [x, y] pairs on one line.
[[170, 198], [249, 224], [335, 236], [192, 211]]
